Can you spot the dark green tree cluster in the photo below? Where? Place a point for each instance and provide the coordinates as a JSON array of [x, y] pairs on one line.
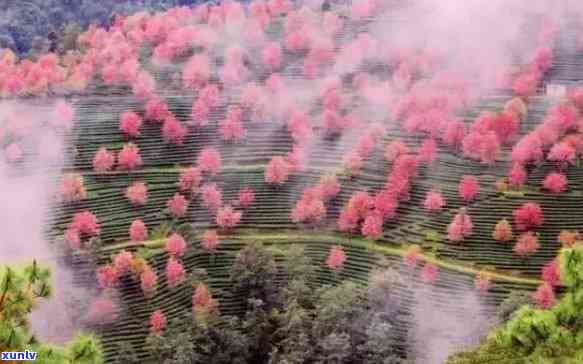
[[288, 319], [534, 335], [20, 291]]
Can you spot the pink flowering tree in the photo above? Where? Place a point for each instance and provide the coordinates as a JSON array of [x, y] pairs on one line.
[[189, 180], [468, 188], [211, 196], [503, 231], [277, 170], [203, 302], [103, 160], [123, 261], [175, 245], [527, 244], [148, 281], [227, 218], [461, 227], [412, 255], [85, 223], [137, 194], [372, 227], [175, 272], [310, 208], [246, 197], [129, 157], [72, 188], [545, 296], [177, 205], [555, 182], [130, 124], [210, 241], [173, 131], [434, 201], [209, 160], [107, 276], [336, 258], [551, 273], [528, 216], [138, 231], [157, 322]]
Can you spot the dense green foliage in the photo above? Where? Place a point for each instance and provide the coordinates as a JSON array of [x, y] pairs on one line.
[[20, 291], [534, 335], [299, 323]]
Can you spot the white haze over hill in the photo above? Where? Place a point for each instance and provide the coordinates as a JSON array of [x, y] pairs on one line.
[[26, 193]]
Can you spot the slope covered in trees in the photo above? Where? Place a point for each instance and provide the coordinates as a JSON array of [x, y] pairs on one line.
[[197, 133]]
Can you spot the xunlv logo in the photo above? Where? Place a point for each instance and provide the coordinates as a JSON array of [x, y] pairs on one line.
[[19, 355]]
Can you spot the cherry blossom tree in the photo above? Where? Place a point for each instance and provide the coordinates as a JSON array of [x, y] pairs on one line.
[[148, 281], [528, 216], [555, 182], [246, 197], [129, 157], [175, 245], [395, 149], [277, 170], [562, 153], [177, 205], [157, 322], [545, 296], [202, 300], [503, 231], [196, 72], [173, 131], [123, 261], [527, 244], [551, 273], [130, 124], [138, 231], [310, 208], [212, 197], [352, 162], [72, 188], [460, 227], [189, 180], [86, 223], [227, 217], [386, 204], [103, 160], [210, 240], [372, 227], [517, 175], [427, 153], [434, 201], [209, 160], [336, 258], [468, 188], [107, 276], [175, 273], [137, 193]]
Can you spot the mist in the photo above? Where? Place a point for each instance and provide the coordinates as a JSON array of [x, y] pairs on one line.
[[28, 191]]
